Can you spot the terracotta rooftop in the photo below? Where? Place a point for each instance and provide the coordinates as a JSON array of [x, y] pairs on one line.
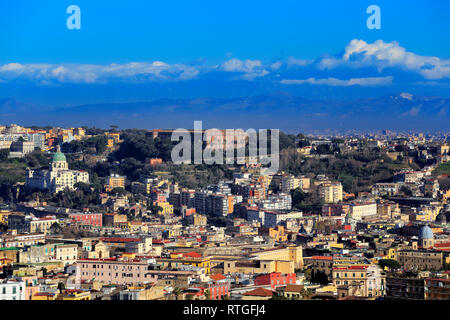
[[259, 292], [293, 288], [217, 277]]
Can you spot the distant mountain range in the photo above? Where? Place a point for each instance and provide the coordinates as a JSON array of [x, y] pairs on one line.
[[401, 111]]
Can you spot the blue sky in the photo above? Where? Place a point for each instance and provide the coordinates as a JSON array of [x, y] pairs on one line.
[[221, 48]]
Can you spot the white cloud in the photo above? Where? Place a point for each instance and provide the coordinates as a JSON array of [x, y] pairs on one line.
[[236, 65], [90, 73], [251, 69], [380, 54], [357, 54], [291, 61], [276, 65], [363, 82]]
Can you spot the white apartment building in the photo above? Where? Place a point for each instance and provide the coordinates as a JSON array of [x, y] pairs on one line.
[[280, 201], [331, 192], [68, 253], [272, 219], [12, 290], [361, 210]]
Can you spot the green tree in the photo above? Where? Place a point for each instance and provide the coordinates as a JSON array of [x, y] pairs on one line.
[[390, 263], [55, 228], [177, 292], [306, 293], [118, 190], [319, 277], [406, 190], [4, 153], [61, 287]]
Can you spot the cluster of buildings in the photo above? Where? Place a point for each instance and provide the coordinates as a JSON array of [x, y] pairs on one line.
[[22, 140], [238, 239]]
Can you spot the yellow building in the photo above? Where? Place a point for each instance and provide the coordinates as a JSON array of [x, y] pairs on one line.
[[199, 220], [254, 266], [391, 253], [289, 253], [101, 251], [115, 181], [4, 217], [278, 234], [67, 253], [446, 196], [167, 208], [78, 133], [362, 281], [428, 213], [114, 136], [42, 225], [74, 295], [44, 296], [186, 259]]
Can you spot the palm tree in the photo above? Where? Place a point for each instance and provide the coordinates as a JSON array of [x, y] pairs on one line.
[[306, 293], [189, 297], [207, 294], [61, 287], [176, 291]]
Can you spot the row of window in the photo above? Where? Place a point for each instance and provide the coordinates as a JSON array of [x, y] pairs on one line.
[[13, 291], [353, 275], [100, 266]]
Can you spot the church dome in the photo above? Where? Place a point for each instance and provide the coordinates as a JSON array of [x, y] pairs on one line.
[[58, 156], [426, 233]]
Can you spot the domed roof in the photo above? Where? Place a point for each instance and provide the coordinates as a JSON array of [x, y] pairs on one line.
[[58, 156], [426, 233]]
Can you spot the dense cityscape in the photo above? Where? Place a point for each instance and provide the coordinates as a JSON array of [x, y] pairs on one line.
[[210, 159], [104, 214]]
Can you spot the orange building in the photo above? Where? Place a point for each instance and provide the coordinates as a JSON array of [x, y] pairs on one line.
[[153, 161], [115, 181]]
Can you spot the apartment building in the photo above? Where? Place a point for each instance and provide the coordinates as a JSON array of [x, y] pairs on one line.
[[115, 181], [275, 279], [404, 288], [360, 280], [360, 210], [68, 253], [87, 218], [12, 289], [114, 271], [420, 259], [331, 192], [437, 289]]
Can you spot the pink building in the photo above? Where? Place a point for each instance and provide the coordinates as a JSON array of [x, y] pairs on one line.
[[275, 279], [31, 286], [91, 219], [114, 271], [218, 287]]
